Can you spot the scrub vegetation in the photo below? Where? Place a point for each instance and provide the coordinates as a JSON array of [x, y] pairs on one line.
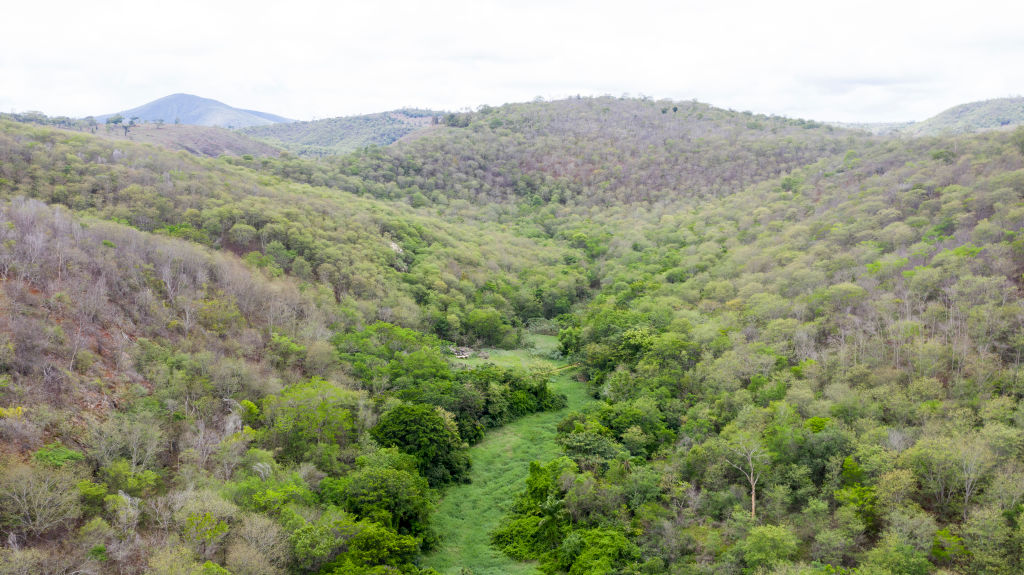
[[716, 343]]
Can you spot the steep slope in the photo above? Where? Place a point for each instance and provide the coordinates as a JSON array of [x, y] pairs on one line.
[[381, 260], [164, 300], [341, 135], [189, 109]]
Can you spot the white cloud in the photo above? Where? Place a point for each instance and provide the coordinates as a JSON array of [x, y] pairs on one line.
[[867, 61]]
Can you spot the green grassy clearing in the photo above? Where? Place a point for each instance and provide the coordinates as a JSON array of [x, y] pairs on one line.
[[468, 513]]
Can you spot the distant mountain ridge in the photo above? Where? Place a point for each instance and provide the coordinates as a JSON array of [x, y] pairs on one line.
[[194, 110], [994, 114]]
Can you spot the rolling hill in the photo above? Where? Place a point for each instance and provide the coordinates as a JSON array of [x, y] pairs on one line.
[[994, 114], [345, 134], [210, 141], [189, 109], [801, 345]]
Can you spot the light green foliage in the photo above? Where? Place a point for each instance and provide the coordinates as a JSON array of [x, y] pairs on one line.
[[219, 314], [863, 500], [1018, 139], [269, 494], [285, 353], [489, 326], [990, 544], [119, 476], [594, 551], [318, 543], [769, 546], [125, 512], [250, 412], [305, 414], [57, 455], [893, 556], [98, 553], [242, 234], [173, 561], [338, 135], [92, 495], [211, 568], [376, 544], [203, 532]]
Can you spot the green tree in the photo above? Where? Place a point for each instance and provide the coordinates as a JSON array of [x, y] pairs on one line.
[[487, 324], [395, 498], [242, 234], [318, 543], [892, 555], [204, 532], [420, 431], [305, 414], [769, 546]]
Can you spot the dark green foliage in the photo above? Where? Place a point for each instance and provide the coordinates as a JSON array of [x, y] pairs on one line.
[[422, 432], [396, 498], [98, 553]]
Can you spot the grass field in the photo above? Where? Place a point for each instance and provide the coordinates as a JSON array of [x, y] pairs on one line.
[[468, 513]]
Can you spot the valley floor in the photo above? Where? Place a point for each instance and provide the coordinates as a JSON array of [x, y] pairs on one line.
[[468, 513]]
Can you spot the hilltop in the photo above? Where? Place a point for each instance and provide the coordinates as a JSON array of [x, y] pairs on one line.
[[345, 134], [994, 114], [189, 109], [587, 152]]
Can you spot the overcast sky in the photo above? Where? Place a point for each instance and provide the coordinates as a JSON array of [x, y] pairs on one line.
[[841, 61]]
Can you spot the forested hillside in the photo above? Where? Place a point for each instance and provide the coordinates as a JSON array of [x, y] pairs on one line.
[[995, 114], [818, 374], [803, 346], [340, 135], [970, 118]]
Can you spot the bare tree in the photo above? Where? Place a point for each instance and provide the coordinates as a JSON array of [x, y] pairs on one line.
[[975, 460], [748, 455], [35, 501], [138, 441]]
